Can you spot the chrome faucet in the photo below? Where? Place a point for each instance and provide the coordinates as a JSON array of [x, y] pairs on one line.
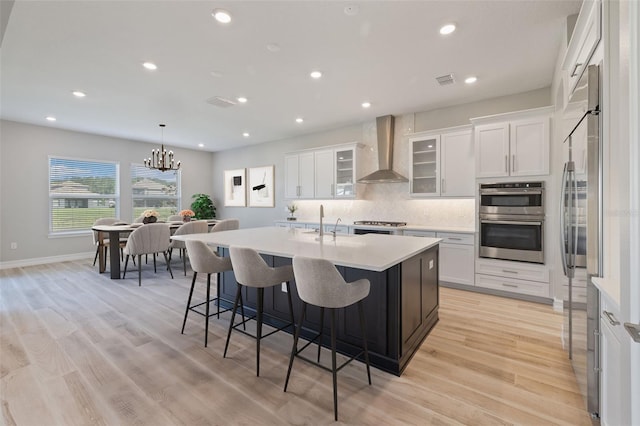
[[335, 228], [321, 216]]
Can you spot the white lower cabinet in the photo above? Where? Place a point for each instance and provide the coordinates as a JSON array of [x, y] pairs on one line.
[[612, 334], [456, 261], [515, 277], [290, 224]]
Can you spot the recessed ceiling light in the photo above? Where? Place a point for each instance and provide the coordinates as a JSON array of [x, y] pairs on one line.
[[351, 10], [315, 74], [447, 29], [470, 80], [366, 104], [221, 16], [201, 145], [50, 118], [79, 94], [299, 120], [242, 99], [246, 134], [150, 66]]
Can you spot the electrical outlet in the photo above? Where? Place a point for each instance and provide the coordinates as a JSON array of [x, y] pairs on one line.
[[283, 287], [14, 246]]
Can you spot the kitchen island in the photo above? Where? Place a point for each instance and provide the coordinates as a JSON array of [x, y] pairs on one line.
[[402, 306]]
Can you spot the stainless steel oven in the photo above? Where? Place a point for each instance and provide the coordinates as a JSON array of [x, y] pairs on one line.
[[512, 221]]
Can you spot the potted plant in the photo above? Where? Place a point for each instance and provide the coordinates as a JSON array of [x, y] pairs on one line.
[[292, 209], [203, 207], [149, 216], [186, 215]]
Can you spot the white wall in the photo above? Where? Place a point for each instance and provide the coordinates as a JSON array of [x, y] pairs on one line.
[[24, 151]]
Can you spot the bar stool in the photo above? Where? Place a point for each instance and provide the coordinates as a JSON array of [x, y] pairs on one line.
[[206, 261], [252, 271], [193, 227], [320, 284]]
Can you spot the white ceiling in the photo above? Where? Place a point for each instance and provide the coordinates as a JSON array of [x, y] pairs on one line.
[[389, 53]]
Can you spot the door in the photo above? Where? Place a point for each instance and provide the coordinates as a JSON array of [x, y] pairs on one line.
[[345, 176], [492, 150], [457, 165]]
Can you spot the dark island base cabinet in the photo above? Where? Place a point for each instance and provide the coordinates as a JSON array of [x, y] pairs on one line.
[[400, 311]]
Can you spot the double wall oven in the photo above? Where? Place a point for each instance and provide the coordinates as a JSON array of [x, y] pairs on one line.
[[512, 221]]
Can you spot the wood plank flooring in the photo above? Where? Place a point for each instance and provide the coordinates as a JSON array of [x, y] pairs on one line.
[[78, 348]]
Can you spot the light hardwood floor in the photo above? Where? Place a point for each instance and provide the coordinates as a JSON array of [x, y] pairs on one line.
[[78, 348]]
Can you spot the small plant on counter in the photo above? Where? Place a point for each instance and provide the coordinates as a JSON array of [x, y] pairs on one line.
[[292, 209], [203, 207]]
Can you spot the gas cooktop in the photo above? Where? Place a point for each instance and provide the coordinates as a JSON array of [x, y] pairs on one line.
[[379, 223]]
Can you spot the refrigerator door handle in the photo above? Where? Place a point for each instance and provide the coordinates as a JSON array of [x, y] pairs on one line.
[[563, 224]]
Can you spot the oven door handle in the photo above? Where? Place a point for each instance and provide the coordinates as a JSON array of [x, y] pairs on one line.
[[492, 192], [513, 222]]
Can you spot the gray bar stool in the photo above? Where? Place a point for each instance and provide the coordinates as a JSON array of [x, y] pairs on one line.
[[251, 270], [319, 283], [204, 260]]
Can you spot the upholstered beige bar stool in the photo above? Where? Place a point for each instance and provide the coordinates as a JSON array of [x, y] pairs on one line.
[[204, 260], [320, 284], [151, 238], [251, 270]]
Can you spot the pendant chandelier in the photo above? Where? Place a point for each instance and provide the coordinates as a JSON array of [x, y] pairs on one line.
[[161, 159]]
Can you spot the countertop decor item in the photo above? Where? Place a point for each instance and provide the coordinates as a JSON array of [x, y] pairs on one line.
[[292, 210], [161, 159], [150, 216], [203, 207], [186, 215]]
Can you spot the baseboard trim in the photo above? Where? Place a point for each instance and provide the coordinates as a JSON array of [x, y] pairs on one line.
[[510, 295], [44, 260]]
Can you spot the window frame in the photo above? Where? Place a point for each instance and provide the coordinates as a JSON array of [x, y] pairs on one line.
[[51, 197]]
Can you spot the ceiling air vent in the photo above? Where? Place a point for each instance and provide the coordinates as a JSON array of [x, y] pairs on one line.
[[443, 80], [221, 102]]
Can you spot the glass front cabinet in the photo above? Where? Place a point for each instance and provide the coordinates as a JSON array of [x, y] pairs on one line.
[[425, 172], [345, 173]]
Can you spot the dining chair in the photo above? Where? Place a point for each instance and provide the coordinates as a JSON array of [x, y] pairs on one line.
[[174, 218], [319, 283], [251, 270], [226, 225], [105, 241], [195, 227], [204, 260], [151, 238]]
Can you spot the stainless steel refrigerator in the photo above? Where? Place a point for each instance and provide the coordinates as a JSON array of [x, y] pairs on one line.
[[581, 233]]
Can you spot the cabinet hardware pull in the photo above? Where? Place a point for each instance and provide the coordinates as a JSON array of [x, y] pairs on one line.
[[506, 163], [513, 167], [455, 238], [612, 319], [442, 185], [509, 271], [332, 191], [509, 285], [298, 190], [575, 70]]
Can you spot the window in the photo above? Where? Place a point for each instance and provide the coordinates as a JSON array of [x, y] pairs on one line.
[[81, 191], [153, 189]]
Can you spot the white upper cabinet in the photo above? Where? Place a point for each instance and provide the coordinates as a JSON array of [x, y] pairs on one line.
[[457, 165], [299, 175], [442, 163], [514, 144], [322, 173]]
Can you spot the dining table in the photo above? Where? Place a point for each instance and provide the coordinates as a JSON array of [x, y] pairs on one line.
[[115, 233]]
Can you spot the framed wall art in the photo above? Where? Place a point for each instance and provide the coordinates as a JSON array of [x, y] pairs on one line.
[[260, 189], [235, 194]]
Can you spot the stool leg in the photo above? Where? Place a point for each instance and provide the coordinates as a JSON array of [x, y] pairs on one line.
[[293, 322], [294, 349], [186, 312], [233, 317], [126, 262], [259, 328], [206, 324], [364, 338], [164, 253], [184, 260], [321, 329], [244, 324], [154, 264], [218, 292], [333, 363], [139, 271]]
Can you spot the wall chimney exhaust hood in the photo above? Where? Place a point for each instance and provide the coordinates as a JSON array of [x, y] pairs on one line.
[[384, 174]]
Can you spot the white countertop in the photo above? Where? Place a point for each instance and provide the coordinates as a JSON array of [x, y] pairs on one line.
[[372, 252]]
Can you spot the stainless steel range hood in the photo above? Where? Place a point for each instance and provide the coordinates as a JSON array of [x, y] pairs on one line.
[[384, 174]]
